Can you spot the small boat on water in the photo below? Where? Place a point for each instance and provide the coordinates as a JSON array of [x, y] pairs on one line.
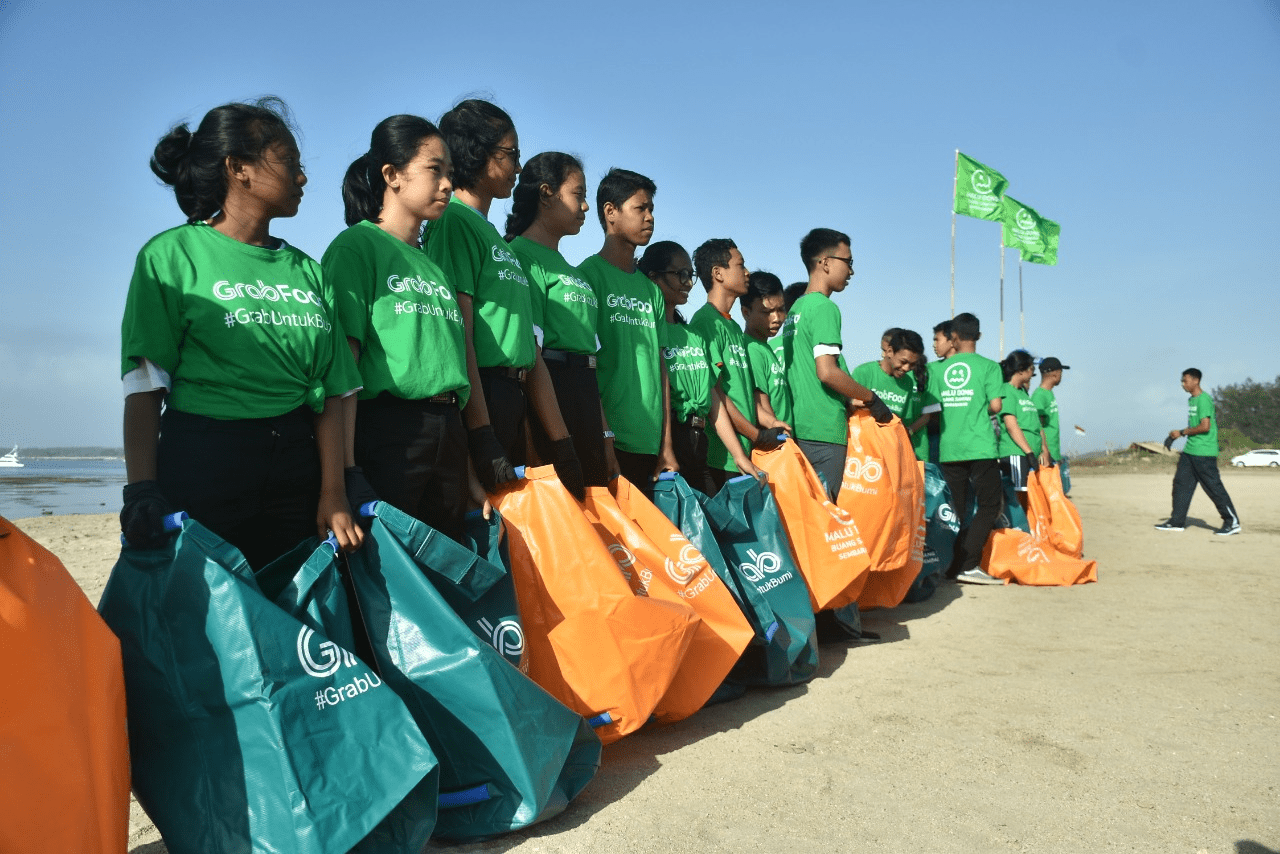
[[10, 460]]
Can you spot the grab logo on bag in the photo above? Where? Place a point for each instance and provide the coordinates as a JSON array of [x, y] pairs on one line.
[[948, 515], [625, 560], [682, 570], [859, 472], [761, 564], [507, 637], [332, 657]]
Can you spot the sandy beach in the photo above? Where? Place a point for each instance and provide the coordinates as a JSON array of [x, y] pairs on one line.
[[1135, 714]]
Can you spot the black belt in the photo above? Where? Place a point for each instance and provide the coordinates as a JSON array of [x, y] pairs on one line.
[[696, 421], [517, 374], [564, 357], [450, 397], [386, 398]]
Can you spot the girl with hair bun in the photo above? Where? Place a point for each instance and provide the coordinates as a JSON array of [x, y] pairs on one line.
[[503, 359], [1020, 437], [230, 332], [405, 328], [548, 204]]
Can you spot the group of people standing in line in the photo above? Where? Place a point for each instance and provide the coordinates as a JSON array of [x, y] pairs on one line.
[[428, 355]]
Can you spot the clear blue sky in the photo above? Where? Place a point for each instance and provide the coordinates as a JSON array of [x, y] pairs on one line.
[[1147, 129]]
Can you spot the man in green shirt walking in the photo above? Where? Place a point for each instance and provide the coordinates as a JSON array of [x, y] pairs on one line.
[[1199, 461], [1046, 402]]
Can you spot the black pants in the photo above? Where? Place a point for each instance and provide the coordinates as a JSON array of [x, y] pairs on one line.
[[508, 409], [827, 459], [984, 477], [637, 468], [578, 394], [414, 455], [1194, 470], [253, 482], [690, 446]]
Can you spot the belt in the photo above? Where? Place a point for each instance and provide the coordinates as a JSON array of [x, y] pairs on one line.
[[564, 357], [387, 399], [450, 397], [696, 421], [517, 374]]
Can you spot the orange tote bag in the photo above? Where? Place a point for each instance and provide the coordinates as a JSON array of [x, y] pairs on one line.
[[1066, 531], [825, 540], [64, 755], [883, 489], [660, 563], [1030, 558], [590, 642]]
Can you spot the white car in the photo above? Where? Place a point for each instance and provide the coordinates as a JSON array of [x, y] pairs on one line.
[[1258, 457]]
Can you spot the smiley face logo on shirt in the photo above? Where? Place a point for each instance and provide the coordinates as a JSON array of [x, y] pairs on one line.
[[957, 375]]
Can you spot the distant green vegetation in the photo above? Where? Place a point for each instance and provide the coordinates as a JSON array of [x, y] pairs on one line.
[[85, 451], [1251, 410]]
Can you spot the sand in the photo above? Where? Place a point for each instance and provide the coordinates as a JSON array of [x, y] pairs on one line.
[[1135, 714]]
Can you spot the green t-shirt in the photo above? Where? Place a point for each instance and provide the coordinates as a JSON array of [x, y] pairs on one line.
[[820, 415], [632, 331], [898, 394], [564, 305], [964, 385], [1018, 403], [688, 371], [727, 353], [770, 376], [397, 304], [243, 331], [478, 262], [1202, 444], [1047, 405]]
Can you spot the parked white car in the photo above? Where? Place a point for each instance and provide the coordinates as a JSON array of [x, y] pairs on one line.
[[1258, 457]]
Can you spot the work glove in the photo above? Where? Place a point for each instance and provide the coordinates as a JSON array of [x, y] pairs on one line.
[[359, 492], [767, 439], [881, 413], [1168, 442], [1033, 462], [489, 458], [568, 467], [142, 516]]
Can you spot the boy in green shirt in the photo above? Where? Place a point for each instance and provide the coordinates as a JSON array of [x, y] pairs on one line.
[[968, 388], [821, 386], [1047, 405], [891, 377], [1199, 461], [763, 311]]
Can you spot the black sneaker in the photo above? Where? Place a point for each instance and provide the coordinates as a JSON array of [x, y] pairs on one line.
[[1165, 526], [1227, 529]]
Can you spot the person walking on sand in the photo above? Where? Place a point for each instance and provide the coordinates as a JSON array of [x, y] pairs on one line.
[[1199, 461]]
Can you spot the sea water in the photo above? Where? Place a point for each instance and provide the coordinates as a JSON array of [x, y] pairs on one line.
[[46, 486]]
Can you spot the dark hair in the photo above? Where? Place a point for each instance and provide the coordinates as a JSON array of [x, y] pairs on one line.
[[906, 339], [888, 334], [395, 141], [552, 168], [921, 371], [618, 186], [1192, 372], [1018, 360], [195, 164], [759, 286], [657, 257], [472, 130], [818, 241], [793, 292], [944, 327], [966, 327], [715, 252]]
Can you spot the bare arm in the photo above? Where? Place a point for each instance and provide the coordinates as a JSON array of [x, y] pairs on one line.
[[765, 416], [333, 513], [142, 434], [666, 452], [723, 425], [1015, 433], [995, 406], [476, 412], [1202, 427], [830, 375], [920, 423]]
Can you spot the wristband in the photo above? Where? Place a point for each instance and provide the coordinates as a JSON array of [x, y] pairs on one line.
[[608, 434]]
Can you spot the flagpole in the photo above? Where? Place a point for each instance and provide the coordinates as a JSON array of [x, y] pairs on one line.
[[1001, 354], [1022, 319], [954, 188]]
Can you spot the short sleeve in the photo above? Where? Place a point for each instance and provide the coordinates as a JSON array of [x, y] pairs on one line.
[[826, 325], [152, 325], [349, 275], [456, 249]]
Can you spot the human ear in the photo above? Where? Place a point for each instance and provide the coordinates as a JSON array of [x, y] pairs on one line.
[[390, 176]]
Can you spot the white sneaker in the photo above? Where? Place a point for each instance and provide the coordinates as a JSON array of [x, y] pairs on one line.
[[977, 576]]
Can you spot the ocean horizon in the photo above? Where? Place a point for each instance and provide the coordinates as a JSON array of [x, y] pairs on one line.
[[59, 485]]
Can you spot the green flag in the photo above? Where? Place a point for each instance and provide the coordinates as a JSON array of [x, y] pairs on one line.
[[1022, 228], [979, 189], [1049, 256]]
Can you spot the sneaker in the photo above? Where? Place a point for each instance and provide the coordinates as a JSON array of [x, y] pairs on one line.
[[1228, 528], [977, 576], [1165, 526]]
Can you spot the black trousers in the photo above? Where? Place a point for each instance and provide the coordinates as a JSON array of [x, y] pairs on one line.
[[578, 393], [690, 446], [253, 482], [827, 459], [508, 409], [984, 478], [637, 468], [414, 455], [1193, 470]]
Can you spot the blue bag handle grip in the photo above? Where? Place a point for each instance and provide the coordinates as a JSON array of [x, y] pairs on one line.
[[173, 522], [465, 797]]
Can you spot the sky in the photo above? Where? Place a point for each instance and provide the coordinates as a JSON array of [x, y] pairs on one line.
[[1148, 130]]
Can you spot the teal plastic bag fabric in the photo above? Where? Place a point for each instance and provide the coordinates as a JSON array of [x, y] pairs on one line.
[[493, 614], [754, 544], [510, 754], [941, 529], [248, 729]]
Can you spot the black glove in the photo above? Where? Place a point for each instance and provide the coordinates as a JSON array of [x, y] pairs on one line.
[[767, 439], [568, 467], [359, 492], [1033, 462], [142, 516], [881, 413], [489, 458], [1168, 442]]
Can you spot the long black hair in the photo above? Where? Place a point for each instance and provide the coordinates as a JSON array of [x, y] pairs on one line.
[[472, 130], [395, 141], [195, 164], [1017, 360], [551, 168]]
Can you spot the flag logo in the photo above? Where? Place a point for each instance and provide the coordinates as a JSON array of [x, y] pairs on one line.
[[1025, 220], [981, 182]]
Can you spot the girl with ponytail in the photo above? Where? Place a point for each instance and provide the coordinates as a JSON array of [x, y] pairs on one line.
[[404, 326], [232, 363], [1020, 440], [548, 204]]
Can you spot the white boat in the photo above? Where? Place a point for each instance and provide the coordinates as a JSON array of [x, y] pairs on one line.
[[10, 460]]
